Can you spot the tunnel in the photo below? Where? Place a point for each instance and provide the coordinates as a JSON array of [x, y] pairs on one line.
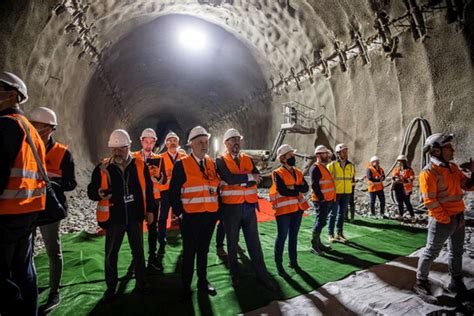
[[120, 64], [377, 75]]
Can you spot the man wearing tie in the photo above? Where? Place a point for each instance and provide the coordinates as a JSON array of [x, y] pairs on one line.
[[193, 196]]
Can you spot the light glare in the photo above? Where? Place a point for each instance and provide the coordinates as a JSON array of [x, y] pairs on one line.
[[192, 39]]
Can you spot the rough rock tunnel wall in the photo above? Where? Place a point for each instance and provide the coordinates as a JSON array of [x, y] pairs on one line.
[[108, 64]]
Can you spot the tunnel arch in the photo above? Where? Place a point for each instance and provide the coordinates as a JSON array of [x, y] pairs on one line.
[[424, 79], [153, 75]]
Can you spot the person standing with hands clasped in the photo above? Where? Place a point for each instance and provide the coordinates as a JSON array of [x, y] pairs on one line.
[[289, 203], [123, 188]]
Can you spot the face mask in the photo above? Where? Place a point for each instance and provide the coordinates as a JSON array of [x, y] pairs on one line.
[[43, 131], [291, 161]]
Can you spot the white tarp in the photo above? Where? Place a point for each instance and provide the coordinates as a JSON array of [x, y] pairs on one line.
[[380, 290]]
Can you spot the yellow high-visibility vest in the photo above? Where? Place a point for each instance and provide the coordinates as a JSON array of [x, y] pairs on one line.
[[342, 177]]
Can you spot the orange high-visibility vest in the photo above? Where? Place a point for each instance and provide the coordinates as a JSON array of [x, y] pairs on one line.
[[199, 192], [326, 184], [376, 186], [156, 184], [169, 165], [238, 194], [54, 157], [103, 206], [287, 204], [25, 191], [441, 191], [408, 176]]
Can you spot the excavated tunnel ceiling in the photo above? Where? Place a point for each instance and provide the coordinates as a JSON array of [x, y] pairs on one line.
[[170, 83], [364, 69]]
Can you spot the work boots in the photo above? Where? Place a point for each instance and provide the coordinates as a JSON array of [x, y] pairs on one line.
[[340, 237], [457, 286], [315, 242], [422, 288], [317, 247]]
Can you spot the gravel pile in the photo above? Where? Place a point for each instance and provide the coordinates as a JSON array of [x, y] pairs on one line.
[[81, 217], [81, 214]]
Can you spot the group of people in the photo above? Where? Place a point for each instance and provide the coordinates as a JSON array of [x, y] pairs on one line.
[[133, 187]]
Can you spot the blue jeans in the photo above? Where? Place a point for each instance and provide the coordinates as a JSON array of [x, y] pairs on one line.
[[321, 215], [287, 225], [237, 216], [373, 195], [18, 277], [438, 234], [52, 243], [337, 213]]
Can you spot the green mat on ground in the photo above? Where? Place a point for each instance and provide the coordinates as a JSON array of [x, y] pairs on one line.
[[371, 242]]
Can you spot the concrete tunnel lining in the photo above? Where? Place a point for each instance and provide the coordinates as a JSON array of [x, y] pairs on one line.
[[367, 106], [161, 83], [278, 34]]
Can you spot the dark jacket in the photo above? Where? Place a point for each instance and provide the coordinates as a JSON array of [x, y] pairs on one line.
[[177, 180], [315, 177], [121, 212], [11, 139]]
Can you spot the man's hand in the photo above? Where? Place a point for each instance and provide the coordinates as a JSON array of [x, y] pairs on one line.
[[149, 218], [154, 171], [467, 166], [257, 177], [105, 194]]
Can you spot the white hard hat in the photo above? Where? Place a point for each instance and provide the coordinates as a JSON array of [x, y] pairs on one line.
[[196, 132], [232, 132], [340, 147], [44, 115], [148, 132], [402, 157], [374, 158], [284, 149], [13, 81], [119, 138], [437, 140], [321, 149], [171, 135]]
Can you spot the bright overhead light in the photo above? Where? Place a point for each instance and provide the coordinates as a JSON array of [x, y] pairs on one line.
[[216, 146], [192, 39]]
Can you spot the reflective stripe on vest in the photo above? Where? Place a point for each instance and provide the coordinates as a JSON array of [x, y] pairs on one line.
[[408, 176], [103, 206], [342, 177], [169, 165], [326, 184], [448, 196], [54, 157], [156, 185], [22, 194], [375, 186], [287, 204], [25, 190], [238, 194], [199, 192]]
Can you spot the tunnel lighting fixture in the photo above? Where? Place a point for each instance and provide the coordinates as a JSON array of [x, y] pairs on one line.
[[216, 145], [192, 38]]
